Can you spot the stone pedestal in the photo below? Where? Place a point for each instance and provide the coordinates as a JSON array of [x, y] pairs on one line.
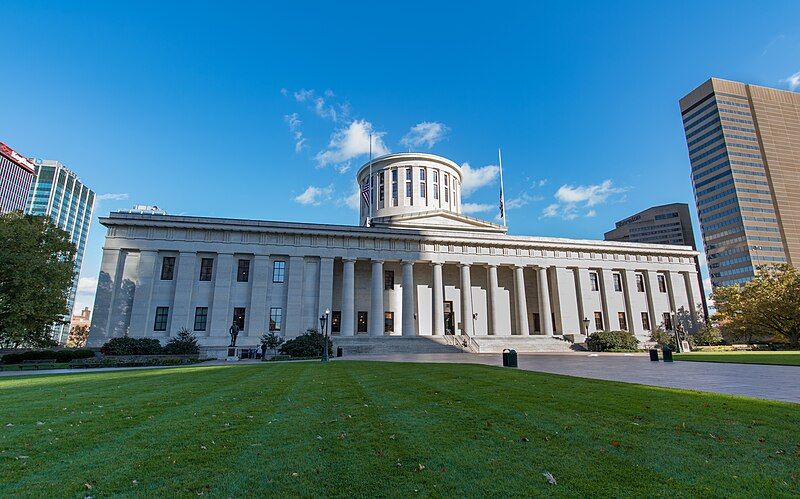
[[233, 354]]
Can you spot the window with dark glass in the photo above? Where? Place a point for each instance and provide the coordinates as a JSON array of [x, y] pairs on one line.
[[382, 188], [645, 321], [394, 186], [200, 318], [167, 268], [336, 321], [435, 184], [594, 283], [162, 314], [388, 279], [617, 282], [362, 322], [446, 182], [243, 272], [275, 318], [206, 269], [598, 321], [623, 321], [388, 322], [278, 270], [640, 283], [238, 317], [667, 321], [662, 284]]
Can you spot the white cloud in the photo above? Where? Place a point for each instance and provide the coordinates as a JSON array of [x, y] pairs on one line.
[[352, 200], [87, 286], [113, 197], [521, 200], [591, 195], [293, 120], [470, 208], [551, 210], [350, 142], [475, 178], [591, 213], [315, 195], [334, 111], [426, 133], [793, 81]]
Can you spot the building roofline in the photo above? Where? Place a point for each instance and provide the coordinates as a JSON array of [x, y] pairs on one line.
[[401, 156]]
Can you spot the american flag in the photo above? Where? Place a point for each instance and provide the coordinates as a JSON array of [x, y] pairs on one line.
[[502, 208], [365, 192]]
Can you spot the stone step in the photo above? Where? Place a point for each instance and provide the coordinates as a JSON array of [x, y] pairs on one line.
[[522, 344]]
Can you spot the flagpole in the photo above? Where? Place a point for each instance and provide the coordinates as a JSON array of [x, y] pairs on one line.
[[370, 178], [502, 189]]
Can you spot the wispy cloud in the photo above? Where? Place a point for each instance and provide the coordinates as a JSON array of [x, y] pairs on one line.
[[351, 142], [314, 196], [472, 208], [334, 111], [475, 178], [572, 199], [793, 81], [121, 196], [87, 286], [521, 200], [772, 42], [425, 134], [293, 120], [352, 200]]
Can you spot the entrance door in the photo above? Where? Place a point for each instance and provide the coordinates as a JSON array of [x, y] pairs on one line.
[[449, 318]]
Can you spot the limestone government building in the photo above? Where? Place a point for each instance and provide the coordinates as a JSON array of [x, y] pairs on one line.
[[415, 275]]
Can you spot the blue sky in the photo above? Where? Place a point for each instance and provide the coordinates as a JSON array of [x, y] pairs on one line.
[[257, 111]]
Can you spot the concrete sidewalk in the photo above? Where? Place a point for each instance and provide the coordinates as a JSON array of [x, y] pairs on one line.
[[750, 380]]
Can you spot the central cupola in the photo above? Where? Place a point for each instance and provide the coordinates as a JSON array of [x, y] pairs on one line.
[[408, 183]]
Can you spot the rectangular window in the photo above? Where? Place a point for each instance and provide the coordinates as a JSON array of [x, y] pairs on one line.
[[278, 270], [206, 269], [362, 322], [162, 314], [238, 317], [388, 322], [662, 283], [536, 324], [446, 182], [435, 184], [409, 190], [640, 283], [598, 321], [617, 282], [623, 321], [382, 188], [388, 279], [275, 318], [394, 187], [336, 321], [667, 321], [645, 321], [200, 318], [243, 272], [408, 174], [594, 283], [167, 268]]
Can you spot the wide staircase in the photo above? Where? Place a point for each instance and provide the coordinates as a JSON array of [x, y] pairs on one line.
[[450, 344]]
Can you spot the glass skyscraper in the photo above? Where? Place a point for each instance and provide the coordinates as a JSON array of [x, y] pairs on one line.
[[58, 193]]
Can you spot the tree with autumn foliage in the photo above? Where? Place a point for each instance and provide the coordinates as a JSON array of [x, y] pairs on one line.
[[766, 306]]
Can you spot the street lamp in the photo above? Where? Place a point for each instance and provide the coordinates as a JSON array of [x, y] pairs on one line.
[[323, 325]]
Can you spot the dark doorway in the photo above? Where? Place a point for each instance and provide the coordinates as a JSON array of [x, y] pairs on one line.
[[449, 318]]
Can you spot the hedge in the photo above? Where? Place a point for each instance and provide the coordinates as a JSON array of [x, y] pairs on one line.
[[612, 341], [58, 355]]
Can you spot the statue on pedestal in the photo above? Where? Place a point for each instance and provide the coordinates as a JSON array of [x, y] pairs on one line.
[[234, 332]]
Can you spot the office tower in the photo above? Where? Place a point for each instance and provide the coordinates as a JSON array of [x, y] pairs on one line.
[[58, 193], [744, 149], [16, 175]]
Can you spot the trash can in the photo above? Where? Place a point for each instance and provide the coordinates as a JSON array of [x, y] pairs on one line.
[[509, 358], [667, 354], [338, 351], [654, 355]]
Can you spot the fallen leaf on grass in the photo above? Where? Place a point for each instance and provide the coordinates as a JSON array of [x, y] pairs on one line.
[[550, 478], [615, 443], [420, 467]]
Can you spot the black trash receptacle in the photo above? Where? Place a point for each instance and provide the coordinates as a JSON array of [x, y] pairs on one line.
[[505, 357], [509, 358], [338, 351], [654, 355], [667, 354]]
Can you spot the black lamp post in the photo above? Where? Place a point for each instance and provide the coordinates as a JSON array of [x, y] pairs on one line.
[[323, 325]]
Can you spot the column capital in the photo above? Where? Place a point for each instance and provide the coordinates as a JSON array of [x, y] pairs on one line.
[[377, 260], [519, 266], [407, 262], [462, 265], [349, 260]]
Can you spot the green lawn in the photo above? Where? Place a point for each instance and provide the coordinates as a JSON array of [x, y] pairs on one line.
[[781, 358], [368, 429]]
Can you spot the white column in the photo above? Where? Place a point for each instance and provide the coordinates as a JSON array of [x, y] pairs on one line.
[[466, 301], [581, 288], [376, 312], [143, 294], [409, 323], [325, 287], [521, 301], [221, 318], [438, 300], [104, 298], [606, 288], [493, 305], [257, 311], [545, 311], [628, 287], [348, 297], [185, 279], [293, 320], [651, 284]]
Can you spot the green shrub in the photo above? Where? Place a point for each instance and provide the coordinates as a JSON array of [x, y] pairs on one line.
[[707, 335], [309, 344], [125, 345], [59, 355], [185, 343], [612, 341]]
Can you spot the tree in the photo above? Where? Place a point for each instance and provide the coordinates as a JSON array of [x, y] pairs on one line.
[[707, 335], [78, 336], [767, 306], [184, 343], [271, 341], [36, 273]]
